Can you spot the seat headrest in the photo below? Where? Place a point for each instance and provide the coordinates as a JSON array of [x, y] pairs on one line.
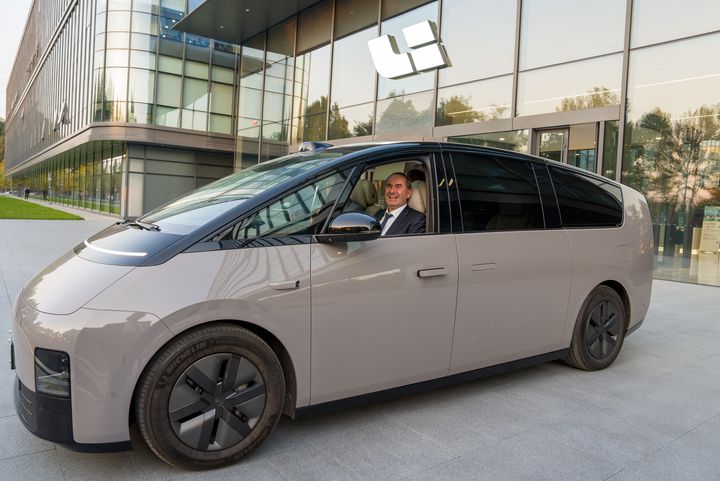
[[418, 200]]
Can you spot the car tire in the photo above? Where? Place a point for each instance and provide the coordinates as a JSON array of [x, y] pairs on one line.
[[210, 397], [599, 330]]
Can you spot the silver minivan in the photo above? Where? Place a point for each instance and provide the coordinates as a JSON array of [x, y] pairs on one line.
[[277, 291]]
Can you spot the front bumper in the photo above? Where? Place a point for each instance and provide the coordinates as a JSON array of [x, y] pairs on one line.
[[50, 418]]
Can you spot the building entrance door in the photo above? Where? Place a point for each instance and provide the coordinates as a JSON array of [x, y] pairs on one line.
[[575, 145]]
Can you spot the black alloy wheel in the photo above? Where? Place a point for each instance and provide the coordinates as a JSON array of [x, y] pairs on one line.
[[599, 330], [210, 397]]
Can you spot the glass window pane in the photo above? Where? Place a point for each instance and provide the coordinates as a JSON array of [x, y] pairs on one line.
[[141, 41], [167, 116], [575, 86], [312, 80], [221, 124], [116, 84], [582, 151], [250, 103], [170, 64], [194, 120], [474, 52], [276, 107], [515, 140], [354, 121], [586, 201], [119, 4], [116, 58], [353, 73], [497, 193], [221, 99], [354, 15], [314, 127], [140, 113], [222, 74], [196, 69], [475, 102], [117, 40], [168, 90], [413, 83], [118, 21], [405, 113], [144, 23], [141, 59], [195, 94], [569, 30], [314, 26], [610, 149], [390, 8], [656, 21], [281, 41], [302, 212], [142, 86], [149, 6]]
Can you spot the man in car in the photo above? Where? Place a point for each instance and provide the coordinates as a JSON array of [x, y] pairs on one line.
[[399, 218]]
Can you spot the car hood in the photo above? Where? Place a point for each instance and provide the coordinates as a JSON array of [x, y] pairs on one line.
[[69, 283]]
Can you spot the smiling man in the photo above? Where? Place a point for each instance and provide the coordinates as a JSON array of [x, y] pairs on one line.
[[399, 218]]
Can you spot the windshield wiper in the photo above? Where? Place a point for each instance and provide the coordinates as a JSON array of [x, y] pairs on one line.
[[141, 225]]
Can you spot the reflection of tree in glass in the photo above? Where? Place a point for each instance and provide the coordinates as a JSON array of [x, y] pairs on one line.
[[676, 163], [597, 97], [314, 128], [401, 114], [338, 124], [458, 110]]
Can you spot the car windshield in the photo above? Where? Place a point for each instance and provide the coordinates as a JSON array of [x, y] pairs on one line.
[[200, 206]]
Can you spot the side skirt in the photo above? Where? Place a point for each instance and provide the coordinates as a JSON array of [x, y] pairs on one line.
[[462, 377]]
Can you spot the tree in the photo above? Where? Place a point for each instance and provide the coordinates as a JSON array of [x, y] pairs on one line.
[[457, 110]]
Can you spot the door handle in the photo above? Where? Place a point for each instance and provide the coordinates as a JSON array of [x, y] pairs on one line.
[[284, 285], [435, 271], [488, 266]]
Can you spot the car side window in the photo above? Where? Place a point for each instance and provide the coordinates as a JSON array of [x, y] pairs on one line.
[[303, 212], [497, 193], [586, 201]]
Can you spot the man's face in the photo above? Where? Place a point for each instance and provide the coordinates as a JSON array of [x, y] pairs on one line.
[[397, 192]]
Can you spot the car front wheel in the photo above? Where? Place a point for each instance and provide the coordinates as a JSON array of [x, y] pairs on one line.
[[210, 397]]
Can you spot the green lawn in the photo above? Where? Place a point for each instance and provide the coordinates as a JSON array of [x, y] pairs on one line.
[[13, 208]]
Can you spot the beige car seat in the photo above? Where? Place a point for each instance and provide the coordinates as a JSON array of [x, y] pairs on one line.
[[365, 196], [418, 200]]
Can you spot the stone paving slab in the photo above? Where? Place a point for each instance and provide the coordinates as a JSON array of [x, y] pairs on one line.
[[654, 415]]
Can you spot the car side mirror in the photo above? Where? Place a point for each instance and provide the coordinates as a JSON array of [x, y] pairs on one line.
[[351, 227]]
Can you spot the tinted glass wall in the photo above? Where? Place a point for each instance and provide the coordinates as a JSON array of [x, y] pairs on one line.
[[672, 132]]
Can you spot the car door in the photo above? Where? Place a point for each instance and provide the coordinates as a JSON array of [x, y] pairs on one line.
[[514, 273], [383, 310]]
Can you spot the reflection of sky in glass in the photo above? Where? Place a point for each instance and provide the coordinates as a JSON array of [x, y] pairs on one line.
[[353, 70], [656, 21], [314, 73], [474, 52], [676, 77], [543, 90], [564, 30], [394, 26]]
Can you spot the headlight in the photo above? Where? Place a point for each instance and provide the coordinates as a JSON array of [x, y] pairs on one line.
[[52, 373]]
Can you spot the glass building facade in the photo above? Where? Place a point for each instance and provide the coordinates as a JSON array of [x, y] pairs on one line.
[[113, 110], [628, 89]]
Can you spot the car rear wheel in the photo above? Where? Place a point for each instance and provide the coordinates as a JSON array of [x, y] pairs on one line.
[[599, 330], [210, 397]]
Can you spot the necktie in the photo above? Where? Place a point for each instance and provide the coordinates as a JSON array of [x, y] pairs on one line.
[[386, 218]]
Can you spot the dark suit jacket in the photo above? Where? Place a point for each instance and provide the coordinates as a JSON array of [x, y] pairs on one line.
[[409, 222]]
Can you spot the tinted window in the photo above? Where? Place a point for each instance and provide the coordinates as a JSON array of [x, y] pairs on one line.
[[586, 201], [497, 193]]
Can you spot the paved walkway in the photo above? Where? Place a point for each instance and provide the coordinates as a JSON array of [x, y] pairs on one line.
[[654, 415]]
